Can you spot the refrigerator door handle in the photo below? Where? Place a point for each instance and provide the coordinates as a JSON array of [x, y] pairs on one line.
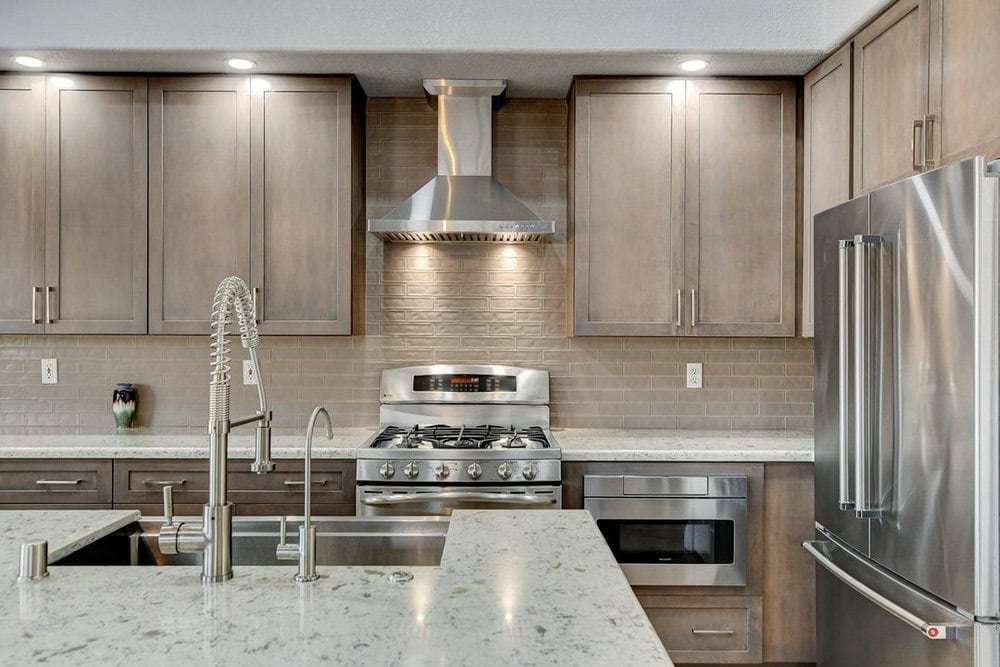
[[947, 626], [845, 500], [867, 501]]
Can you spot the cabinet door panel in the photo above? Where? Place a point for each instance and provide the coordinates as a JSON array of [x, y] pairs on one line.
[[22, 202], [890, 93], [965, 81], [827, 156], [740, 213], [95, 231], [301, 213], [628, 238], [199, 193]]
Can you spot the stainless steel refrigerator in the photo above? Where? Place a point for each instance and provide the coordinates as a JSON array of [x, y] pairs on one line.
[[907, 460]]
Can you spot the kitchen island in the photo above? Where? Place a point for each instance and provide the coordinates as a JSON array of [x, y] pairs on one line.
[[513, 588]]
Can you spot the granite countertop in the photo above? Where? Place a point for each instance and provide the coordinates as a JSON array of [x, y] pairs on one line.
[[513, 587], [576, 445]]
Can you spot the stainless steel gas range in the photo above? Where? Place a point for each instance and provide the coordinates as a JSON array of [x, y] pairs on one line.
[[460, 437]]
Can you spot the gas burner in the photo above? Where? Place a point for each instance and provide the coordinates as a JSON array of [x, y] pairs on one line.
[[459, 443]]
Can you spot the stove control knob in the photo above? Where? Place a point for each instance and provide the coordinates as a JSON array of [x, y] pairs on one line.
[[441, 471], [530, 471], [505, 470], [411, 470], [387, 470], [475, 470]]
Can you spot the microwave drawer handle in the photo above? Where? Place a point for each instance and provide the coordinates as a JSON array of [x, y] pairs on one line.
[[478, 496], [713, 631]]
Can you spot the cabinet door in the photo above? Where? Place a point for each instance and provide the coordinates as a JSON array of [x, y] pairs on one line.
[[22, 203], [628, 177], [827, 156], [964, 79], [301, 204], [740, 213], [199, 196], [890, 95], [95, 205]]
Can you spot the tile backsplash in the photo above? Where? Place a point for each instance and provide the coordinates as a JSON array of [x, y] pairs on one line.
[[460, 303]]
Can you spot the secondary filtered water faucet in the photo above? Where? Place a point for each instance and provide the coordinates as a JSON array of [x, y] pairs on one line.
[[214, 535]]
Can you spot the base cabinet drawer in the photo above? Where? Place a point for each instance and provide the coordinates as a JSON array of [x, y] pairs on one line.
[[139, 483], [709, 629], [48, 481]]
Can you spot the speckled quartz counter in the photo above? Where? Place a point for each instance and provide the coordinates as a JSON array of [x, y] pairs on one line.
[[682, 445], [169, 446], [513, 588], [65, 530], [576, 444]]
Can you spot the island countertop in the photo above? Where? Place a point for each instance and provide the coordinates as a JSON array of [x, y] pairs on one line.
[[576, 445], [513, 588]]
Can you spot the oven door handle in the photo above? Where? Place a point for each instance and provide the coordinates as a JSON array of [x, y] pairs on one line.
[[478, 496]]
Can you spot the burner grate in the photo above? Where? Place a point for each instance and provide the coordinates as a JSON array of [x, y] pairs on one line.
[[441, 436]]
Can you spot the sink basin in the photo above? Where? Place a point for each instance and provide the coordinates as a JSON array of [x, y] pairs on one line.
[[339, 541]]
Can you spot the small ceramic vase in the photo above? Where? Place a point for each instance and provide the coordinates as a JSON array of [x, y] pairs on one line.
[[123, 402]]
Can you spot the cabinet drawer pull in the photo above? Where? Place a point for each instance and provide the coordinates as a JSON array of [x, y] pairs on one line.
[[713, 631], [164, 482], [918, 163], [694, 308], [300, 482], [58, 482]]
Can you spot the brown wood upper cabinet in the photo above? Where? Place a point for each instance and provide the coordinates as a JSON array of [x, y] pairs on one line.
[[827, 156], [255, 177], [76, 261], [677, 187], [924, 88]]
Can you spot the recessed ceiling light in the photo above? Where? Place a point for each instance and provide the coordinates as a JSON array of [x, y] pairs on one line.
[[694, 65], [241, 63], [29, 61]]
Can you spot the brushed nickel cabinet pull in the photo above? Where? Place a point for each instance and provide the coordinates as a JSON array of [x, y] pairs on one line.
[[256, 304], [58, 482], [927, 148], [164, 482], [49, 291], [35, 291], [713, 631], [918, 163], [299, 482], [694, 308], [680, 307]]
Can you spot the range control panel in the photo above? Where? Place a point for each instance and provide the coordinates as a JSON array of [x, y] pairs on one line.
[[465, 382]]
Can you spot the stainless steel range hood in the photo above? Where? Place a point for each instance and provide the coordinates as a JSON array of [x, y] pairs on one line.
[[463, 202]]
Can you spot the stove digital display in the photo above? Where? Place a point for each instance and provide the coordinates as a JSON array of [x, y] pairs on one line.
[[456, 383]]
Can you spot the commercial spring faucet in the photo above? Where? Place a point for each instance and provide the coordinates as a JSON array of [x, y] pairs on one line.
[[214, 535]]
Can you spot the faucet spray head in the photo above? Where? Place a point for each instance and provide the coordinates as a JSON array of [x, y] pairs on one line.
[[262, 463]]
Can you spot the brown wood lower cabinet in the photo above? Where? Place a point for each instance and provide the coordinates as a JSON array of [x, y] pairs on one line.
[[707, 629], [138, 483], [55, 483], [771, 620]]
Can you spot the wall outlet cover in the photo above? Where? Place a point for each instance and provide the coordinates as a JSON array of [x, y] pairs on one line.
[[694, 376], [248, 374], [50, 371]]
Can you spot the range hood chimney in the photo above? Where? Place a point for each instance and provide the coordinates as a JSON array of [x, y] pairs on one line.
[[463, 202]]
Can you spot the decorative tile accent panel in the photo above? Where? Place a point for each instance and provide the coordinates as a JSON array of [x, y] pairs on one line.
[[431, 303]]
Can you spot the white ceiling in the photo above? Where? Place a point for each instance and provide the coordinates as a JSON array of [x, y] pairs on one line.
[[538, 45]]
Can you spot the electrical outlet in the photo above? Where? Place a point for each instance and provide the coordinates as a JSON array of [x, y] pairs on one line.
[[248, 375], [694, 376], [50, 371]]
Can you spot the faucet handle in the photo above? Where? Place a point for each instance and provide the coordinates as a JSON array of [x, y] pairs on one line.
[[168, 504], [286, 551]]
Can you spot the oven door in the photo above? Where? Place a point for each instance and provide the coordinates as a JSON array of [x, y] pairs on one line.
[[383, 500], [676, 541]]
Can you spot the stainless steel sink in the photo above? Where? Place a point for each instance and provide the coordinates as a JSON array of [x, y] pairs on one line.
[[339, 541]]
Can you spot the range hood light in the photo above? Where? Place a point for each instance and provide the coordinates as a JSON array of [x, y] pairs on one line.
[[241, 63]]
